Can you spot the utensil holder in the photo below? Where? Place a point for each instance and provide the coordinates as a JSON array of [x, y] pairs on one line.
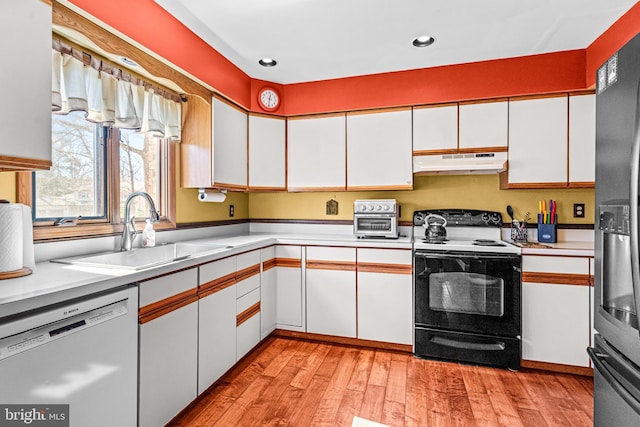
[[547, 233], [519, 232]]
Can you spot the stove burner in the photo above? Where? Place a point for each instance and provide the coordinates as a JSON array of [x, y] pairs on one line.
[[487, 242]]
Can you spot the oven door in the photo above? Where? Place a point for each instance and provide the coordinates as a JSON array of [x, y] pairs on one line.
[[468, 292]]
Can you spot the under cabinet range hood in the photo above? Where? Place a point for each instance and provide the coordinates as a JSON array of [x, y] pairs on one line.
[[460, 163]]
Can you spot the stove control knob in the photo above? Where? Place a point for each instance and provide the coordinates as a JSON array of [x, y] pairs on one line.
[[485, 217], [386, 207], [370, 207], [378, 207], [495, 218]]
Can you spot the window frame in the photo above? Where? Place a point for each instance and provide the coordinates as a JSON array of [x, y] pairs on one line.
[[112, 225]]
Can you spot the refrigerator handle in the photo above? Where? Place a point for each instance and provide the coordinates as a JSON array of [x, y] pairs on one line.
[[634, 231], [600, 366]]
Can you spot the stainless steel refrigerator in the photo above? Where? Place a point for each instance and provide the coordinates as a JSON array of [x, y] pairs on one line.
[[616, 350]]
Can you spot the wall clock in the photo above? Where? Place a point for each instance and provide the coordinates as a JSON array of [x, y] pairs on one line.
[[268, 99]]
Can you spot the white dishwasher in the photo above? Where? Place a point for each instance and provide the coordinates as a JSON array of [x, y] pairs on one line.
[[82, 353]]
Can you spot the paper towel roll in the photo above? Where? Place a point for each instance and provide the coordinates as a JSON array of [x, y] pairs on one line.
[[16, 238], [11, 237], [212, 196]]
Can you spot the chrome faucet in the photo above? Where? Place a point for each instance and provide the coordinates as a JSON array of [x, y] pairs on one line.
[[129, 232]]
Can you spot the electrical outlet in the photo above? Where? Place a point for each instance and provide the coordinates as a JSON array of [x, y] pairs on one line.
[[578, 210], [231, 210]]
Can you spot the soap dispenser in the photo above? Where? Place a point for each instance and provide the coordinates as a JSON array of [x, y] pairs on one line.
[[148, 234]]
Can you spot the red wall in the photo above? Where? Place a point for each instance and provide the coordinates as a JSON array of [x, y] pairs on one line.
[[554, 72]]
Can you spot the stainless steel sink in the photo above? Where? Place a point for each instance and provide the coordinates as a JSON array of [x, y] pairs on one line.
[[141, 258]]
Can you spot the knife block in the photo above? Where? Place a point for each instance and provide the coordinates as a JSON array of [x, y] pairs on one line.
[[547, 233]]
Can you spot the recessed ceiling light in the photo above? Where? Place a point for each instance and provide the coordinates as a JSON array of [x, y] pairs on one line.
[[267, 62], [129, 62], [423, 41]]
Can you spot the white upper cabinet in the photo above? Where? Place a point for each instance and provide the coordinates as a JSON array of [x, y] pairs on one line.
[[538, 142], [316, 150], [25, 27], [582, 140], [435, 128], [267, 153], [229, 146], [379, 150], [484, 125]]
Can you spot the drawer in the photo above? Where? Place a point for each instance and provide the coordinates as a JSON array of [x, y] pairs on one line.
[[217, 269], [385, 256], [557, 265], [247, 301], [167, 286], [323, 253]]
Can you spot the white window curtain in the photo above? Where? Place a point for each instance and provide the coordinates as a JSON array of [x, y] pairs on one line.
[[109, 95]]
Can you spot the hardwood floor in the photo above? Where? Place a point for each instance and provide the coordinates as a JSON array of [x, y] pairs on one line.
[[288, 382]]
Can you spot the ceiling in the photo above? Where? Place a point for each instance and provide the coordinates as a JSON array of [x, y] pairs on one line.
[[327, 39]]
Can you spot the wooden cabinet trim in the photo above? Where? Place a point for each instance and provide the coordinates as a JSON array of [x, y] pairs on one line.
[[483, 101], [378, 110], [167, 305], [435, 152], [500, 149], [232, 187], [248, 272], [582, 184], [331, 265], [371, 267], [557, 279], [269, 264], [266, 116], [247, 314], [266, 189], [315, 189], [557, 367], [539, 96], [381, 187], [216, 285], [8, 163], [425, 106], [317, 116], [288, 262], [582, 92]]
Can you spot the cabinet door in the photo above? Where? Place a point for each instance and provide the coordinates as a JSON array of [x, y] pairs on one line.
[[216, 321], [331, 291], [248, 272], [555, 323], [379, 150], [26, 71], [385, 302], [267, 153], [582, 140], [316, 151], [248, 322], [268, 292], [290, 292], [229, 146], [484, 125], [435, 129], [556, 316], [168, 354], [538, 141]]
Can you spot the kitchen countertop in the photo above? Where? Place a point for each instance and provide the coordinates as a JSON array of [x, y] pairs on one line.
[[578, 248], [52, 283]]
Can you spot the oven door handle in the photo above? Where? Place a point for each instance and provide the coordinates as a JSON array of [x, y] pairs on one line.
[[456, 343], [465, 255]]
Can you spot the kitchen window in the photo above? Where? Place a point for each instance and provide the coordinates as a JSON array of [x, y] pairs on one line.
[[94, 168]]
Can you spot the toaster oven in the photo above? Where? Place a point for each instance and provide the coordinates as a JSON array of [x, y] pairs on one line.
[[375, 218]]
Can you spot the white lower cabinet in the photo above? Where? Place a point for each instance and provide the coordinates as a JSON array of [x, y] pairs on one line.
[[385, 304], [216, 321], [168, 358], [289, 292], [331, 291], [247, 302], [268, 296], [556, 325]]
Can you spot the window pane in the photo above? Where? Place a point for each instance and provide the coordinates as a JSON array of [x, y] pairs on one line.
[[75, 184], [139, 170]]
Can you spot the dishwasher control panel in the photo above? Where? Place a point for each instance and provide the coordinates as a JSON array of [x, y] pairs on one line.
[[40, 335]]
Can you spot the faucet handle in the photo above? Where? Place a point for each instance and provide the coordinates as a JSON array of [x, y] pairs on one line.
[[155, 217]]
